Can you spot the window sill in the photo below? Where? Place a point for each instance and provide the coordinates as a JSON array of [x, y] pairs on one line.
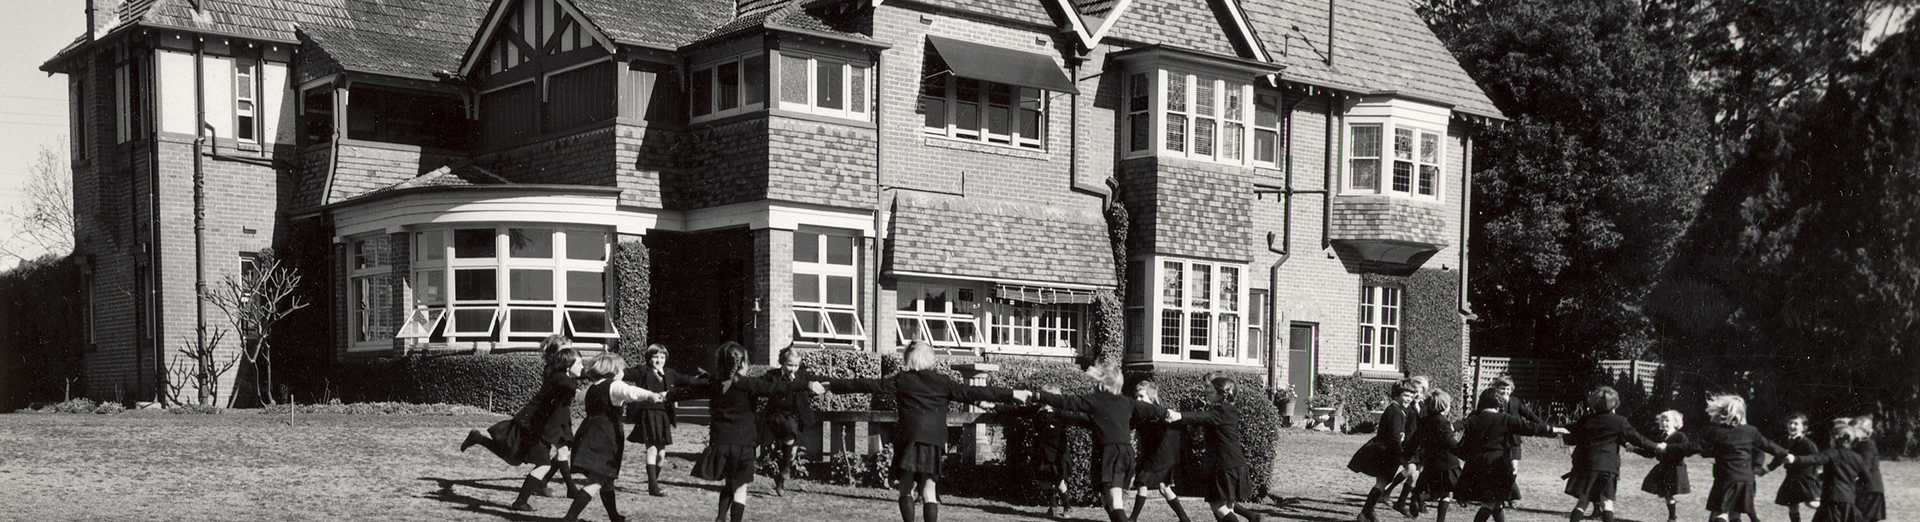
[[1394, 196], [1381, 375], [980, 146]]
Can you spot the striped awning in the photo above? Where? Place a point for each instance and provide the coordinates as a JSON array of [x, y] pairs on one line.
[[1043, 294]]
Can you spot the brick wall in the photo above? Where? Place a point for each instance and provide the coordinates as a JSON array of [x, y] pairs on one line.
[[821, 163], [587, 158], [644, 158], [1388, 217], [721, 165]]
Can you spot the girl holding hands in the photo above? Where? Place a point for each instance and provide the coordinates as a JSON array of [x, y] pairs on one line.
[[541, 431], [733, 433], [1114, 416], [600, 446]]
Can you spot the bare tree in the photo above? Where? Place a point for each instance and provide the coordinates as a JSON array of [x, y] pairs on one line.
[[43, 224], [207, 366], [254, 303]]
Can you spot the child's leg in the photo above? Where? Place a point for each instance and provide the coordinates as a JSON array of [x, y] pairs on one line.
[[1411, 478], [532, 483], [1379, 491], [1139, 501], [1244, 513], [929, 499], [580, 499], [727, 490], [739, 500], [1578, 506], [1606, 511], [1173, 502], [1115, 504], [906, 485], [1222, 510], [653, 469], [562, 458]]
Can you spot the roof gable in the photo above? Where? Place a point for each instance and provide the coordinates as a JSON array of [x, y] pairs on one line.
[[527, 29], [1378, 46]]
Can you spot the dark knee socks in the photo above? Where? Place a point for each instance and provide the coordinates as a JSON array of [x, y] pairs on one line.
[[1177, 510], [1606, 516], [1117, 514], [606, 500], [930, 511], [527, 486], [1483, 515], [739, 511], [1440, 513], [1373, 498], [565, 470], [653, 479], [580, 500], [906, 508]]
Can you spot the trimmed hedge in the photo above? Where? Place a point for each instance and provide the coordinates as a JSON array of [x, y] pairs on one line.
[[632, 271], [496, 382], [1352, 393], [1187, 389]]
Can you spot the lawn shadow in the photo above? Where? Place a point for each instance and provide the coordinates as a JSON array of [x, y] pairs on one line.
[[446, 493], [1303, 508]]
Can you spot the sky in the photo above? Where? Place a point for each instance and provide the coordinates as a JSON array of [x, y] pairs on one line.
[[33, 106]]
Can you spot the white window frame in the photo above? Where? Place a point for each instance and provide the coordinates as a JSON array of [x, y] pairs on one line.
[[1379, 327], [363, 268], [1018, 107], [708, 73], [1049, 328], [957, 310], [1427, 155], [822, 269], [1279, 149], [1195, 316], [856, 93], [1195, 115], [434, 262], [1258, 306], [246, 100]]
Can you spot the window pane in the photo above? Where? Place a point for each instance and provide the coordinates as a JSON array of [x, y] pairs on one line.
[[806, 288], [1203, 136], [756, 74], [999, 108], [586, 287], [966, 104], [964, 331], [1366, 345], [589, 321], [1031, 106], [1402, 176], [472, 320], [474, 285], [1366, 141], [840, 250], [857, 85], [1141, 136], [1229, 346], [909, 328], [1177, 92], [1176, 132], [1203, 97], [1170, 331], [844, 323], [1366, 174], [430, 287], [793, 79], [1266, 145], [473, 243], [586, 245], [809, 322], [1429, 147], [530, 285], [1232, 135], [840, 290], [939, 330], [1170, 284], [1198, 328], [430, 246], [1233, 106], [1266, 111], [1403, 144], [1229, 289], [1428, 176], [364, 256], [936, 111], [701, 97], [1138, 91], [728, 79], [531, 243], [829, 84], [1200, 281], [520, 320], [806, 247]]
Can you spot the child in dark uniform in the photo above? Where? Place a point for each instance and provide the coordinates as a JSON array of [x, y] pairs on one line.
[[1873, 491], [1391, 448], [1597, 439], [1802, 485], [1159, 451], [1435, 444], [1220, 423], [599, 447], [1733, 446], [920, 438], [787, 418], [1668, 478], [1487, 474], [732, 433], [1844, 471], [653, 421], [540, 433], [1114, 416]]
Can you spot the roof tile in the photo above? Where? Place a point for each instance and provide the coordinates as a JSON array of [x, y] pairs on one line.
[[1379, 45]]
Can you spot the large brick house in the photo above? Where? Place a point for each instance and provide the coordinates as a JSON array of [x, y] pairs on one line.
[[830, 173]]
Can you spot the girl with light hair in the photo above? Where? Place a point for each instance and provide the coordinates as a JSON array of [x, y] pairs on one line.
[[1732, 445], [1114, 416], [733, 432], [1845, 474], [599, 446], [1668, 478], [1873, 491]]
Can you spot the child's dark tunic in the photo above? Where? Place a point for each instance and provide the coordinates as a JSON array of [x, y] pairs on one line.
[[653, 421], [599, 446], [1486, 456], [546, 422], [1844, 471], [920, 439], [1596, 439], [1113, 418], [788, 416], [1873, 492], [1669, 475], [732, 433], [1802, 483], [1159, 451], [1733, 450], [1220, 423], [1391, 447], [1435, 444]]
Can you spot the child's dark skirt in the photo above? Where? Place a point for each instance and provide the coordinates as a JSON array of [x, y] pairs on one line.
[[652, 428], [1731, 497], [1592, 486], [1112, 466], [733, 463], [1437, 482], [917, 460], [1230, 485], [1837, 512], [1872, 506]]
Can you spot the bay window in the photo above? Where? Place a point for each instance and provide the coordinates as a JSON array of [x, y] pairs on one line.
[[1380, 328], [1199, 311], [1002, 317], [509, 283], [826, 276], [1200, 116], [732, 86], [1385, 158], [824, 85]]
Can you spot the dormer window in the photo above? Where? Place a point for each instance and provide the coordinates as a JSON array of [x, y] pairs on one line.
[[978, 92], [824, 85], [732, 86], [1395, 148], [1198, 106]]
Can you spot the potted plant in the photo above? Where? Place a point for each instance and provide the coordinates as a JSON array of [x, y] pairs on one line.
[[1323, 406], [1283, 399]]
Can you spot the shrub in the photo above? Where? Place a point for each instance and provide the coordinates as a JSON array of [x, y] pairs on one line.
[[1022, 441], [74, 405], [765, 464], [495, 382], [1353, 394], [195, 409], [852, 469], [631, 267], [109, 408], [1186, 389], [841, 364]]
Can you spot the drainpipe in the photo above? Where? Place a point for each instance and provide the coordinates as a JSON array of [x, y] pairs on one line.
[[1466, 228], [1330, 27], [1326, 175], [880, 200], [200, 198], [1286, 243]]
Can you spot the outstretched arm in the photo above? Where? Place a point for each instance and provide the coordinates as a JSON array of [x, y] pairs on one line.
[[882, 385], [620, 392], [1064, 402]]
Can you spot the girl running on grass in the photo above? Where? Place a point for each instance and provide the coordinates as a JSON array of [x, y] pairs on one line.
[[1435, 445], [1597, 439], [1408, 475], [540, 433], [1844, 472], [787, 419], [921, 395], [1873, 491], [599, 446], [733, 432], [1486, 454], [653, 421], [1801, 488], [1159, 451], [1391, 450], [1668, 478], [1114, 416], [1733, 446], [1220, 422]]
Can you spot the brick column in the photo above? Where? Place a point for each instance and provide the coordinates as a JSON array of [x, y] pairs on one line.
[[977, 442]]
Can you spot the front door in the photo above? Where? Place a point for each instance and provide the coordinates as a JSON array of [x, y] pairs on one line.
[[1301, 344]]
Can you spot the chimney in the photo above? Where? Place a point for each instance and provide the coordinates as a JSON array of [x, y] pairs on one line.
[[101, 15]]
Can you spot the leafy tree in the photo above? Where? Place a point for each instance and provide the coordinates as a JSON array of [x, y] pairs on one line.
[[1579, 198]]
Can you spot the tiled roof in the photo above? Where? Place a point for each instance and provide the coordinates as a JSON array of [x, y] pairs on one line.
[[788, 14], [411, 37], [450, 176], [657, 23], [1187, 24], [1379, 45], [952, 235]]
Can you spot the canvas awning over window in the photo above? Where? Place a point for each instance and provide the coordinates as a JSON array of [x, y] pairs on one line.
[[1043, 295], [986, 62]]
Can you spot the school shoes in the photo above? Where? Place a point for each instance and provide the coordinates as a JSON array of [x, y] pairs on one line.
[[527, 487], [473, 438], [653, 481]]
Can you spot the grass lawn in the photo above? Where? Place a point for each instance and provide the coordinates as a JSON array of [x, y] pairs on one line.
[[246, 466]]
